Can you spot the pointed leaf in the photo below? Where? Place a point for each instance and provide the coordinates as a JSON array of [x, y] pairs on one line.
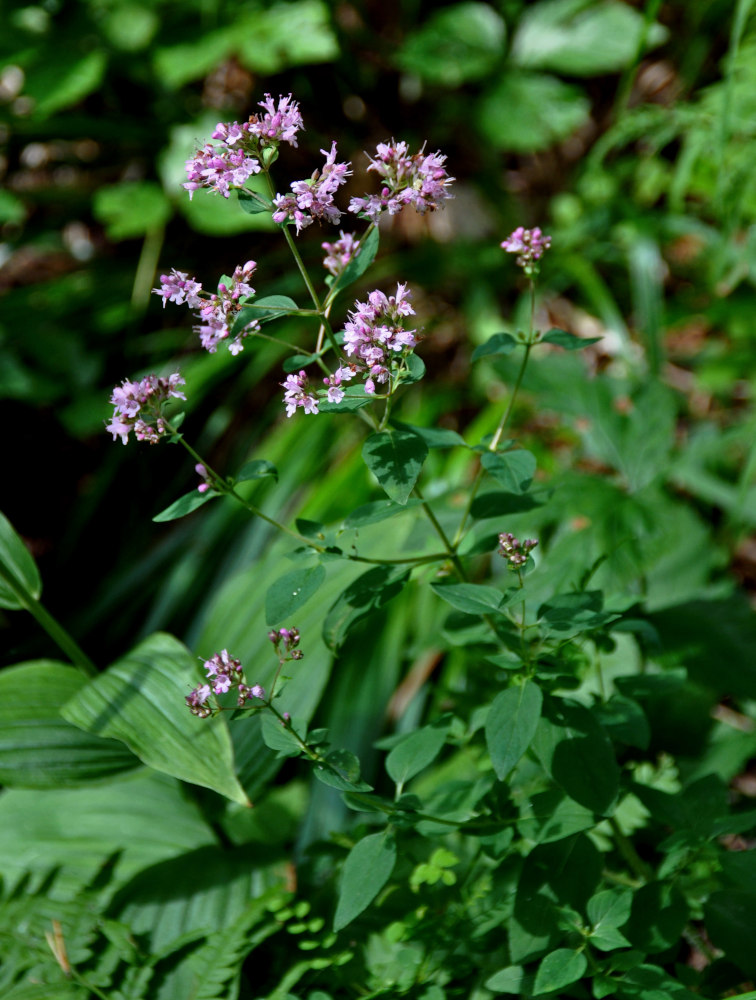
[[511, 725], [253, 204], [291, 591], [610, 908], [256, 469], [377, 510], [500, 344], [435, 437], [185, 505], [366, 594], [355, 399], [415, 752], [559, 969], [16, 565], [262, 310], [567, 340], [140, 701], [367, 869], [38, 747], [341, 770], [395, 458], [513, 469], [475, 598]]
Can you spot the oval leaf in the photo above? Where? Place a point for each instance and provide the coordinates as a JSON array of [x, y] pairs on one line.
[[499, 344], [140, 701], [185, 505], [513, 469], [567, 340], [511, 725], [559, 969], [291, 591], [263, 310], [367, 869], [475, 598], [16, 567], [395, 458], [38, 748], [257, 469], [366, 594], [415, 752]]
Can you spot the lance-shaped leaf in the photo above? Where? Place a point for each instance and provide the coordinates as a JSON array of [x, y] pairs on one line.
[[511, 724], [357, 266], [499, 344], [476, 598], [367, 869], [185, 505], [16, 568], [291, 591], [395, 458], [140, 701], [567, 340]]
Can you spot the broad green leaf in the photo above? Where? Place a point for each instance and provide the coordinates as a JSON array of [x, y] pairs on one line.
[[514, 470], [511, 725], [257, 469], [368, 248], [497, 345], [498, 503], [559, 969], [185, 505], [355, 399], [415, 369], [608, 939], [131, 209], [395, 458], [38, 748], [609, 908], [271, 39], [576, 752], [625, 721], [455, 44], [377, 510], [252, 203], [576, 38], [476, 598], [298, 361], [17, 565], [552, 816], [526, 113], [730, 918], [291, 591], [278, 737], [177, 65], [366, 594], [366, 871], [571, 614], [64, 80], [265, 309], [140, 701], [415, 752], [341, 770], [567, 340], [435, 437], [658, 917], [510, 979]]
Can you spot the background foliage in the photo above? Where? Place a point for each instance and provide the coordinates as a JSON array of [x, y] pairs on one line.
[[626, 130]]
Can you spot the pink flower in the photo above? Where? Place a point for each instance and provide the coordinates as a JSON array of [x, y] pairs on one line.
[[419, 180], [313, 199], [138, 407], [530, 245], [339, 254], [296, 394], [280, 123]]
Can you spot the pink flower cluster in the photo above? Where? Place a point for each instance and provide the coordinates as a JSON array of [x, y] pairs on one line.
[[280, 123], [223, 672], [313, 199], [374, 340], [339, 253], [285, 642], [419, 180], [530, 245], [138, 407], [514, 551], [215, 312], [219, 168]]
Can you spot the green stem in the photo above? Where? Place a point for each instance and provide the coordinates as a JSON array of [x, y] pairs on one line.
[[625, 846], [146, 267], [451, 554], [53, 628]]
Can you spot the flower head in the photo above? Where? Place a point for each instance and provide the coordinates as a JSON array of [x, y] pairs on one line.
[[530, 245], [313, 199], [138, 407], [340, 253], [220, 168], [297, 393], [514, 551], [280, 123], [418, 179]]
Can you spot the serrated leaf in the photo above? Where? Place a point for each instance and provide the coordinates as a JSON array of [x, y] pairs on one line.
[[396, 459], [514, 470], [38, 747], [567, 340], [499, 344], [16, 566], [559, 969], [366, 594], [475, 598], [415, 752], [259, 468], [511, 725], [366, 871], [185, 505], [263, 310], [139, 700], [291, 591]]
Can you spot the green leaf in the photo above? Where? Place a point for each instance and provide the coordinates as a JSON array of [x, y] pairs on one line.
[[730, 917], [185, 505], [625, 721], [415, 752], [434, 437], [40, 749], [131, 209], [281, 738], [257, 469], [526, 113], [140, 701], [357, 266], [355, 399], [559, 969], [576, 752], [377, 510], [514, 470], [552, 816], [366, 594], [498, 503], [265, 309], [298, 361], [64, 80], [609, 908], [511, 725], [366, 871], [395, 458], [455, 44], [608, 939], [499, 344], [567, 340], [658, 917], [251, 203], [415, 369], [272, 39], [341, 770], [16, 566], [575, 38], [571, 614], [475, 598], [511, 979], [291, 591]]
